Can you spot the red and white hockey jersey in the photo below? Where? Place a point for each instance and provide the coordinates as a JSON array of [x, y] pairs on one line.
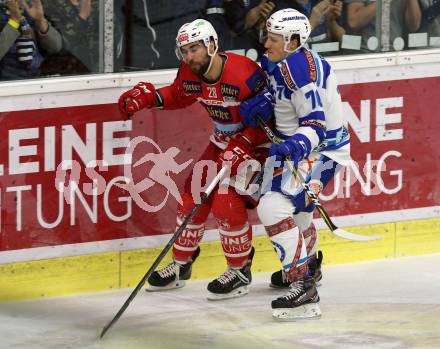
[[241, 79]]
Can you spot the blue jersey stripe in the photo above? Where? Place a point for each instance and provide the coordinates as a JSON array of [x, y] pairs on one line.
[[326, 70], [318, 70], [314, 115], [299, 69], [300, 262]]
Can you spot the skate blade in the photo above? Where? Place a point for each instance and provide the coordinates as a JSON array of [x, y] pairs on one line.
[[172, 286], [303, 312], [239, 292]]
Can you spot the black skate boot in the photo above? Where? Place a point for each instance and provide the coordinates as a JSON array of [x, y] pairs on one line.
[[279, 278], [172, 276], [232, 283], [300, 303]]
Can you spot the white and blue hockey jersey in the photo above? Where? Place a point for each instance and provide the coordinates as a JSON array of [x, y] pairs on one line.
[[308, 102]]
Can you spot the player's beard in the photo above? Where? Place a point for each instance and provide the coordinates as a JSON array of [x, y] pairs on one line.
[[200, 68]]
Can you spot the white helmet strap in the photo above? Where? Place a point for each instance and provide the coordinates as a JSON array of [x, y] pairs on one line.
[[211, 58], [287, 40]]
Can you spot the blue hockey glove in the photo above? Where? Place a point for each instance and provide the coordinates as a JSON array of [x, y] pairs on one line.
[[295, 150], [261, 104]]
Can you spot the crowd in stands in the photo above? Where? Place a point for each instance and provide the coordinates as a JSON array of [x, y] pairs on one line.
[[62, 37]]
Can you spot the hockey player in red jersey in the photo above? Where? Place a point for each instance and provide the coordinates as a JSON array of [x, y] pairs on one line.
[[220, 82]]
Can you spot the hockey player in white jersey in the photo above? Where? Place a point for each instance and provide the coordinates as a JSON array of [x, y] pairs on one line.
[[308, 117]]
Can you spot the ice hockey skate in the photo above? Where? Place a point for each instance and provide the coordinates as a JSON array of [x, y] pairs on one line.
[[302, 302], [279, 278], [172, 276], [232, 283]]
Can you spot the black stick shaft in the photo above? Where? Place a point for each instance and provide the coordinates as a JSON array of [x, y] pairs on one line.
[[165, 250]]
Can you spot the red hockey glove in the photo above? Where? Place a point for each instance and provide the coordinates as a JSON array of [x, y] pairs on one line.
[[237, 151], [143, 95]]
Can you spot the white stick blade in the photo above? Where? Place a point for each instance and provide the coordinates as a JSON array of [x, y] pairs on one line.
[[354, 237]]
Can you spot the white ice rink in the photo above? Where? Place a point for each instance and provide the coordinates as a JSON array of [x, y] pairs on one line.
[[385, 304]]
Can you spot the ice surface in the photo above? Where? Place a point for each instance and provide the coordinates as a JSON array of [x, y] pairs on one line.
[[384, 304]]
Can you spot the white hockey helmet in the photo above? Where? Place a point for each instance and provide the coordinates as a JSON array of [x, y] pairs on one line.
[[197, 30], [288, 22]]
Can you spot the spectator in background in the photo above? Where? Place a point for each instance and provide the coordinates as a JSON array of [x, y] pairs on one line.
[[324, 18], [405, 16], [246, 20], [215, 13], [257, 13], [25, 36], [323, 15], [430, 17], [239, 22], [78, 22], [248, 24]]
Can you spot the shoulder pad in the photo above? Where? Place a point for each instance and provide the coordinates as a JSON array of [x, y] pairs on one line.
[[257, 81], [287, 75], [302, 67]]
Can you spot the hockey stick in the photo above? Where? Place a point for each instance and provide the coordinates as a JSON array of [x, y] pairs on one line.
[[334, 229], [165, 250]]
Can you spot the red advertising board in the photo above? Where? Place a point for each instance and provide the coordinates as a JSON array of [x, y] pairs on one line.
[[53, 191]]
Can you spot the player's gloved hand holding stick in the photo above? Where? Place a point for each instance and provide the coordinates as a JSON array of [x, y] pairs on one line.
[[290, 149], [261, 104], [170, 243], [282, 148], [239, 150]]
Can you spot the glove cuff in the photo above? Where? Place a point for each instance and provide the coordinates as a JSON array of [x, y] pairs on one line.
[[302, 142]]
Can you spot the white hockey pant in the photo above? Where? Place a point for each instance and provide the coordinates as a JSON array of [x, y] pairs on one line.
[[283, 228]]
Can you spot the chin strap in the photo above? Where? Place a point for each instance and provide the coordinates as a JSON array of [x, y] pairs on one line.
[[212, 55]]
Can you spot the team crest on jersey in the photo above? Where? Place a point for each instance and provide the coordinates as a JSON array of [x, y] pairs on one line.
[[191, 87], [219, 113], [286, 76], [257, 81], [230, 92], [312, 66]]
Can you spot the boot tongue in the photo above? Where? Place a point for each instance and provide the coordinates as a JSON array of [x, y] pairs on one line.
[[296, 288]]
